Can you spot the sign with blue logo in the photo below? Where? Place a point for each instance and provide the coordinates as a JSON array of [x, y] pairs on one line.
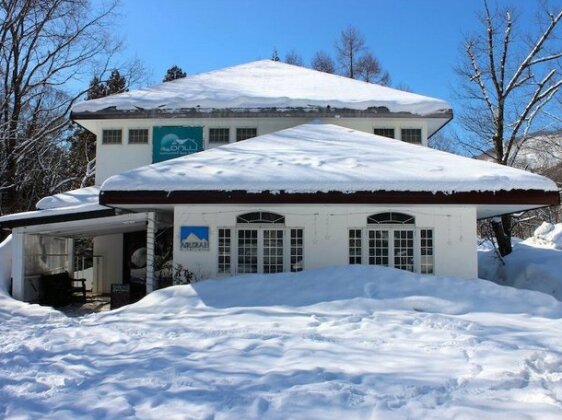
[[194, 238], [170, 142]]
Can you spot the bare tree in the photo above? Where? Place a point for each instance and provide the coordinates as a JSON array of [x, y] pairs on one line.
[[294, 58], [323, 62], [348, 48], [508, 81], [369, 69], [44, 45]]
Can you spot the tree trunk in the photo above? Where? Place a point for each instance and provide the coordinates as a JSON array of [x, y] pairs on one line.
[[502, 231]]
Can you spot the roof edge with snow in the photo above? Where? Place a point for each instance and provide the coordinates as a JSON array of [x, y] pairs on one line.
[[539, 198]]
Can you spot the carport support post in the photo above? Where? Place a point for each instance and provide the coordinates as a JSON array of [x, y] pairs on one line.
[[18, 268], [70, 255], [150, 238]]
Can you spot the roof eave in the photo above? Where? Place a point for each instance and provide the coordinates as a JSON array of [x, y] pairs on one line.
[[313, 112], [56, 218], [539, 198]]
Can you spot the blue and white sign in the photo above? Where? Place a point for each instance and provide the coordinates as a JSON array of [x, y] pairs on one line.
[[170, 142], [194, 238]]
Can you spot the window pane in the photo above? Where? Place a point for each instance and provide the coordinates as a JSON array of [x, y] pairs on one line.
[[412, 135], [247, 251], [355, 246], [297, 254], [404, 249], [385, 132], [111, 137], [272, 251], [138, 136], [246, 133], [426, 251], [219, 135], [378, 247], [224, 251]]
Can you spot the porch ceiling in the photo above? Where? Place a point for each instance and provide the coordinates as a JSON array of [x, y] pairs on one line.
[[90, 227]]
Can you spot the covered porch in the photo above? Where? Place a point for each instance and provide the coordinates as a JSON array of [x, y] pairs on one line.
[[122, 248]]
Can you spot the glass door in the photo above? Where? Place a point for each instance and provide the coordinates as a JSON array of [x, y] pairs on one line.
[[247, 251], [404, 250], [392, 248], [272, 251]]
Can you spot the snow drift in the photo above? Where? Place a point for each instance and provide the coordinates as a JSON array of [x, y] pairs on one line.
[[351, 342], [534, 264]]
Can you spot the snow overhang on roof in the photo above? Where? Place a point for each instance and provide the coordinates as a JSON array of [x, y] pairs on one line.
[[71, 205], [263, 85], [325, 163]]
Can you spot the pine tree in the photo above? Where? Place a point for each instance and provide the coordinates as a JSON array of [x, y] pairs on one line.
[[174, 73], [116, 83]]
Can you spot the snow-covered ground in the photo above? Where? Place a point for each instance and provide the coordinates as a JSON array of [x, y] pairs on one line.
[[534, 264], [355, 341]]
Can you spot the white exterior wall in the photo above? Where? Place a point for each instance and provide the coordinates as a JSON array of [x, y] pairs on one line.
[[112, 159], [110, 248], [326, 233]]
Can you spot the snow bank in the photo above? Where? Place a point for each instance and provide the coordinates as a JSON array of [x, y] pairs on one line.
[[266, 84], [548, 234], [357, 288], [5, 265], [325, 157], [534, 264], [346, 342]]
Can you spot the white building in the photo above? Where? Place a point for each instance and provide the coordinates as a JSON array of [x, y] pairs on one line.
[[299, 195]]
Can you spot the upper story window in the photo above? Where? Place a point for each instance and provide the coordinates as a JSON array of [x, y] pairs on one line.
[[219, 136], [246, 133], [138, 136], [111, 136], [412, 135], [385, 132]]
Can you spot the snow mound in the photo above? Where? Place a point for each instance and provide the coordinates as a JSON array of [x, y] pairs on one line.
[[359, 288], [353, 342], [534, 264], [548, 234]]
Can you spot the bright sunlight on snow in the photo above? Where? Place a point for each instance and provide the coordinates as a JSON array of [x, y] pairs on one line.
[[352, 342]]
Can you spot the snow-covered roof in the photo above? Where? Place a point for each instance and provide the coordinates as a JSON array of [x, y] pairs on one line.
[[87, 195], [318, 157], [266, 84], [52, 212], [69, 203]]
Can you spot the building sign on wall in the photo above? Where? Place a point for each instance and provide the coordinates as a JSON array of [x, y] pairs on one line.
[[194, 238], [170, 142]]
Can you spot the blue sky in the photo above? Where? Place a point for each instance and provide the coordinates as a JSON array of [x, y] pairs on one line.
[[418, 42]]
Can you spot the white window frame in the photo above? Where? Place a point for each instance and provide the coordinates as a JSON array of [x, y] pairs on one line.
[[391, 228], [215, 144], [138, 128], [245, 128], [111, 129], [412, 128], [260, 228]]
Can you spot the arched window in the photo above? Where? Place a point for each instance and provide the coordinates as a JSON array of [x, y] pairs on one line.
[[392, 239], [391, 218], [261, 243], [261, 217]]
